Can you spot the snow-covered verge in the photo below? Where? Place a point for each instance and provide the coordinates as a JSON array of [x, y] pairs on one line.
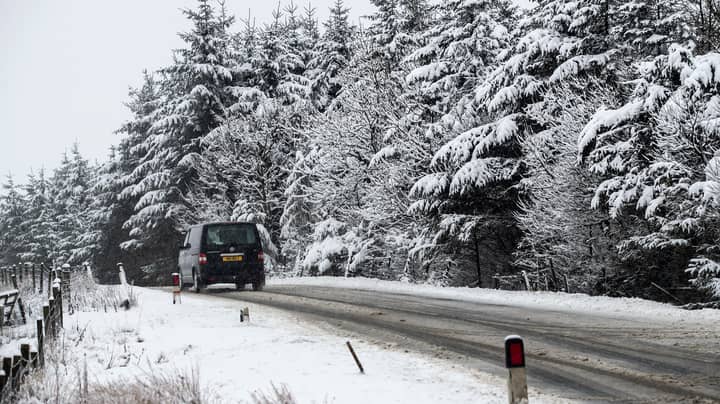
[[630, 308], [203, 338]]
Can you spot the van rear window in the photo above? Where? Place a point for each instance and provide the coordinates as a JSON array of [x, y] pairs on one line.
[[230, 234]]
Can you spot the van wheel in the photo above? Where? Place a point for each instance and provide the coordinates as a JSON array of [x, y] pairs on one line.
[[240, 286], [197, 284], [258, 286]]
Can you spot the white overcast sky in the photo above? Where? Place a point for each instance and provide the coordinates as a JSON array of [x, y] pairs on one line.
[[66, 66]]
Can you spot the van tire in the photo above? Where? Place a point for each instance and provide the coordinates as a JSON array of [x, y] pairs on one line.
[[197, 282], [258, 286]]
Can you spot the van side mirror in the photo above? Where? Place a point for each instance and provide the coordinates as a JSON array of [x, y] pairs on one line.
[[185, 247]]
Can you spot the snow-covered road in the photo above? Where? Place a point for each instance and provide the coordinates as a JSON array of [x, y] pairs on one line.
[[236, 358], [578, 346]]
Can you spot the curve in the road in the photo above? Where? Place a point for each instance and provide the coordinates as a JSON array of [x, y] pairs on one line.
[[614, 367]]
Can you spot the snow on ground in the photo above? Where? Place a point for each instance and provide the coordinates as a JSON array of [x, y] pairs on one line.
[[235, 359], [630, 308]]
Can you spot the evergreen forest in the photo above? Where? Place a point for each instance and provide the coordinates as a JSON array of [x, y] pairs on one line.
[[573, 144]]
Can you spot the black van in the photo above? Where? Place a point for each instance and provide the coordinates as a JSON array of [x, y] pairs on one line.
[[223, 252]]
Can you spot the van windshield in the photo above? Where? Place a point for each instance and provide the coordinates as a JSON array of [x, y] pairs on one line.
[[230, 234]]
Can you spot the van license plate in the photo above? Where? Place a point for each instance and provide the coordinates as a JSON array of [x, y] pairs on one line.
[[232, 258]]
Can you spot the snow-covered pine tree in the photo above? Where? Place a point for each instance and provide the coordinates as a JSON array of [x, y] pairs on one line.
[[278, 65], [457, 51], [561, 42], [251, 156], [451, 64], [144, 104], [197, 91], [102, 203], [12, 231], [395, 28], [562, 234], [70, 190], [707, 20], [265, 131], [299, 213], [332, 54], [351, 196], [385, 27], [37, 226], [657, 155], [310, 31]]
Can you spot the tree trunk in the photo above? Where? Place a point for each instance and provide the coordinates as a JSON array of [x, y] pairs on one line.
[[477, 260]]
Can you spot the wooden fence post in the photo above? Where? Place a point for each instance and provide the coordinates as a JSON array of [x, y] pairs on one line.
[[65, 281], [59, 302], [33, 277], [46, 318], [54, 309], [3, 380], [41, 277], [16, 363], [34, 359], [25, 353], [50, 282], [51, 317], [41, 342], [7, 369], [21, 307]]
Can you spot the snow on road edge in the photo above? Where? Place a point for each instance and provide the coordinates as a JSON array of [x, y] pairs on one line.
[[630, 308]]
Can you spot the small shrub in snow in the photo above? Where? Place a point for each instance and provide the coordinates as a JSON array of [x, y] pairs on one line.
[[278, 395], [151, 387], [57, 382], [62, 382]]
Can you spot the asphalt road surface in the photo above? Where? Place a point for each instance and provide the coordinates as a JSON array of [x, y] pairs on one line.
[[594, 358]]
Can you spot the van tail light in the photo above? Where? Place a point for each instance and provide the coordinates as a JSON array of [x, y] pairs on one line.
[[261, 256], [202, 259]]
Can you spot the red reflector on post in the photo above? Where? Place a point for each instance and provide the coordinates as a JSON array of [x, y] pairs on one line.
[[514, 352], [176, 279]]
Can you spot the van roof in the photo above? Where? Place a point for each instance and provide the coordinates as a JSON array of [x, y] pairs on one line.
[[216, 223]]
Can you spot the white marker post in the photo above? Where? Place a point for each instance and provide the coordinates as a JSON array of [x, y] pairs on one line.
[[121, 270], [88, 271], [176, 287], [515, 362]]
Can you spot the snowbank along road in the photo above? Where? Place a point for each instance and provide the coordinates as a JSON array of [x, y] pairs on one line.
[[578, 355]]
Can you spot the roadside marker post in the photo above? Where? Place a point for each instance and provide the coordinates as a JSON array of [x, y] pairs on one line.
[[517, 376], [245, 314], [121, 271], [354, 355], [176, 288]]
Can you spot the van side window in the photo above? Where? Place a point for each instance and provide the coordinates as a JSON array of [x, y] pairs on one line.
[[195, 233]]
